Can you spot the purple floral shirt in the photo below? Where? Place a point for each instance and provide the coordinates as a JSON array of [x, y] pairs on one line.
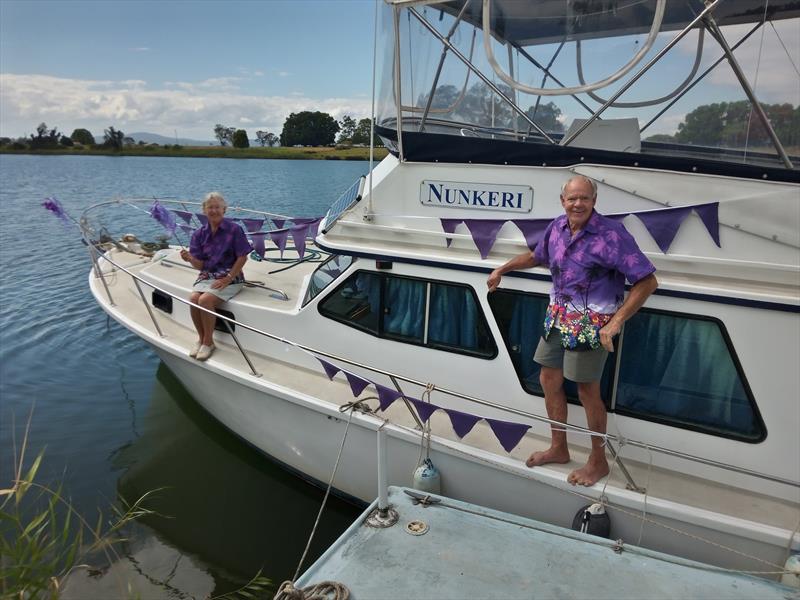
[[219, 250], [589, 272]]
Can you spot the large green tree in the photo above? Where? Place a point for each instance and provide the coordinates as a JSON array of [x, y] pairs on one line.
[[240, 139], [347, 128], [730, 125], [82, 136], [224, 134], [309, 129]]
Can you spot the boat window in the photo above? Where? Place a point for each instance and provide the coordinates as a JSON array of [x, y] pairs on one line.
[[417, 311], [326, 273], [520, 316], [682, 370]]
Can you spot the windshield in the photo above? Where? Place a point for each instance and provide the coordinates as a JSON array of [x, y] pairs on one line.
[[692, 99]]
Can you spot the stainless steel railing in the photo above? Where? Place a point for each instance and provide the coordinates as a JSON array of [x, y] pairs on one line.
[[395, 377]]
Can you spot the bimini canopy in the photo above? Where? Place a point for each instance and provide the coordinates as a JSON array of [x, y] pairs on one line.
[[531, 22]]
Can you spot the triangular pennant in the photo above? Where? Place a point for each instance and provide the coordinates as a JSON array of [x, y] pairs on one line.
[[202, 218], [279, 223], [252, 225], [313, 225], [330, 369], [449, 226], [532, 229], [186, 229], [462, 422], [357, 384], [185, 215], [663, 224], [508, 434], [425, 409], [258, 242], [709, 214], [299, 238], [386, 396], [484, 233], [279, 237]]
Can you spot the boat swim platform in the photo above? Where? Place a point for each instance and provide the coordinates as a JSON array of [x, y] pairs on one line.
[[471, 551]]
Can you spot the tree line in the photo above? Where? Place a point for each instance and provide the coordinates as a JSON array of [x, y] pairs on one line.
[[50, 139], [306, 128]]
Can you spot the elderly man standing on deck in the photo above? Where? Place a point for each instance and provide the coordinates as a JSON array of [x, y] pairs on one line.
[[589, 257]]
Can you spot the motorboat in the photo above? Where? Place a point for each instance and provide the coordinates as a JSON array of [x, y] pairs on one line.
[[487, 107]]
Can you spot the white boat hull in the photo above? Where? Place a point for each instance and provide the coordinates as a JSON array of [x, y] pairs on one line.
[[262, 414]]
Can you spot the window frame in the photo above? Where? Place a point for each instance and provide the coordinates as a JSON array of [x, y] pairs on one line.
[[306, 299], [425, 343], [759, 420]]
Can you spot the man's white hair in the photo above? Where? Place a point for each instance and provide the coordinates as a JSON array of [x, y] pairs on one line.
[[588, 180]]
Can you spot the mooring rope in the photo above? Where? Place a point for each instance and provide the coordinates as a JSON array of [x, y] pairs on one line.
[[325, 590]]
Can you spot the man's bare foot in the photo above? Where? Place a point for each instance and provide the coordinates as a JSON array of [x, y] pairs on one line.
[[551, 455], [592, 472]]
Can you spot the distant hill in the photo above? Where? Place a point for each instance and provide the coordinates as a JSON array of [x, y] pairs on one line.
[[154, 138]]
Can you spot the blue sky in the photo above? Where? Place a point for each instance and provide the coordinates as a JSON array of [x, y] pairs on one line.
[[263, 58], [175, 66]]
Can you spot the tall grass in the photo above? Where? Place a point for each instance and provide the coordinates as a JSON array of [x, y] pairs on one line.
[[43, 538]]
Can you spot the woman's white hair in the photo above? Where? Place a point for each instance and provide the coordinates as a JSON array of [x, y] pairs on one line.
[[588, 180], [214, 196]]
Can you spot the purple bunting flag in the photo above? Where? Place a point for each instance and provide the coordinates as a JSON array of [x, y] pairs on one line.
[[449, 226], [298, 233], [663, 224], [163, 216], [189, 231], [202, 218], [507, 433], [185, 215], [313, 225], [709, 214], [484, 233], [357, 384], [279, 236], [252, 225], [462, 422], [54, 206], [279, 223], [386, 396], [330, 369], [425, 409], [258, 242], [532, 229]]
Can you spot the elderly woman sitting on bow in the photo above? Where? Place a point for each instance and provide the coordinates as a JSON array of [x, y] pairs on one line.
[[219, 250]]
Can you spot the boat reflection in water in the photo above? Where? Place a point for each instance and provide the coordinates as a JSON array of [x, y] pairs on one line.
[[224, 512]]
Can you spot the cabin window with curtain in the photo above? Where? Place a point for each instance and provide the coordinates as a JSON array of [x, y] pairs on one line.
[[682, 370], [434, 314], [675, 369]]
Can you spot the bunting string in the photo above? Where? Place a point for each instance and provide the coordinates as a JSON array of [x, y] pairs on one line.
[[508, 434], [662, 224]]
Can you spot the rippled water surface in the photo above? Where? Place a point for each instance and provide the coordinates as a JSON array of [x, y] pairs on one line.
[[112, 419]]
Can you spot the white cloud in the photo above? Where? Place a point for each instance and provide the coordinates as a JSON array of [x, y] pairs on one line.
[[283, 73], [191, 108], [140, 49]]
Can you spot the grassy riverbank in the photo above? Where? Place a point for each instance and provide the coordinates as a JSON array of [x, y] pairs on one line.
[[312, 153]]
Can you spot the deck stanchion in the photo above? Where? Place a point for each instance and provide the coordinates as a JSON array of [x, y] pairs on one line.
[[147, 306], [98, 271], [238, 345], [383, 486]]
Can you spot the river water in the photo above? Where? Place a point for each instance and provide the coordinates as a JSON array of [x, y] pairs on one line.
[[114, 421]]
